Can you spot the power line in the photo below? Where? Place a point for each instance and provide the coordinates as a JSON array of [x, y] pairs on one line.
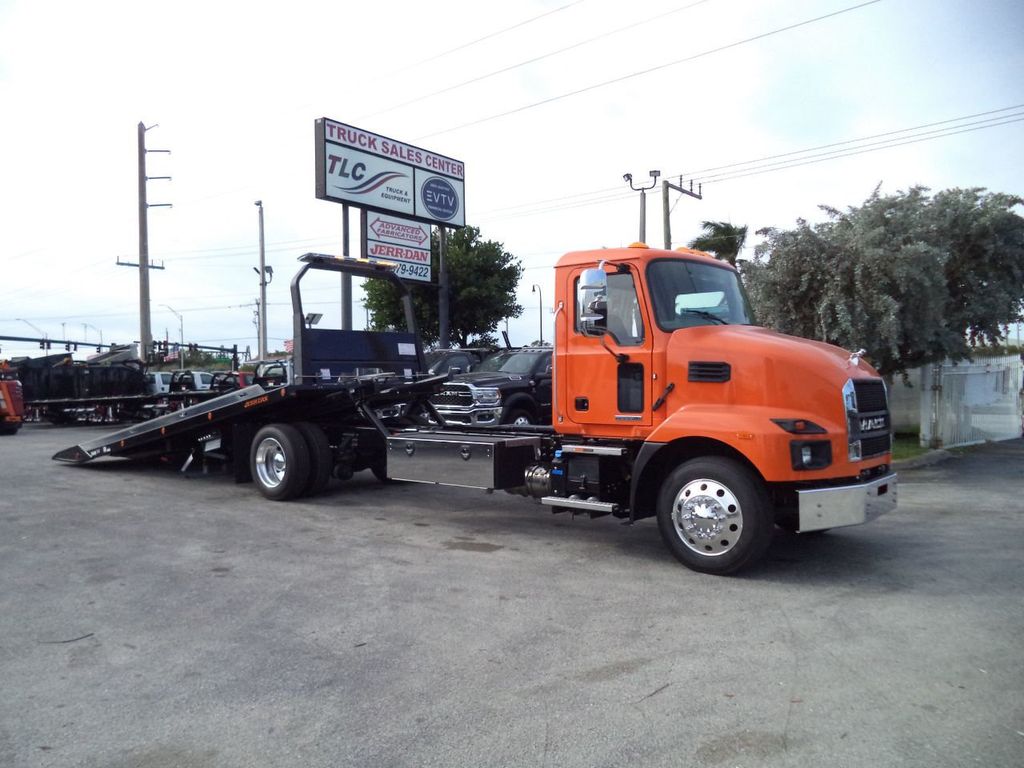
[[595, 197], [694, 174], [489, 36], [534, 60], [856, 151], [648, 71]]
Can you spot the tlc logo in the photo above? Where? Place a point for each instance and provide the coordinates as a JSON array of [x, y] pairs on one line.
[[340, 166]]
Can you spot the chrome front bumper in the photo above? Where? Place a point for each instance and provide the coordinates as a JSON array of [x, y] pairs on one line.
[[846, 505], [471, 416]]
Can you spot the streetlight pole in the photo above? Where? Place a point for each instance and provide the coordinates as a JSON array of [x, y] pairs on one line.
[[37, 329], [263, 289], [628, 178], [181, 338], [97, 331], [540, 310]]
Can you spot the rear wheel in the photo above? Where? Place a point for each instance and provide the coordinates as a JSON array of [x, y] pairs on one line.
[[715, 515], [321, 460], [279, 461]]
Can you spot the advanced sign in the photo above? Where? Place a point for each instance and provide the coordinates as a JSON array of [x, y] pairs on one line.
[[403, 241], [380, 174]]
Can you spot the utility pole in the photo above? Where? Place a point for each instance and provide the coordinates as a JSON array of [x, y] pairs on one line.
[[145, 329], [666, 185], [443, 320], [262, 271], [346, 279], [540, 311], [628, 178]]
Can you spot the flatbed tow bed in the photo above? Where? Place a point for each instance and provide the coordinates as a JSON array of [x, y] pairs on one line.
[[178, 431], [344, 386]]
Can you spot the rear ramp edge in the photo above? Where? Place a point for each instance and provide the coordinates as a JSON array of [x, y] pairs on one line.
[[73, 455]]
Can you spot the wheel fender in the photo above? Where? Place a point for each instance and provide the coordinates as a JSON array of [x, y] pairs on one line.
[[519, 402]]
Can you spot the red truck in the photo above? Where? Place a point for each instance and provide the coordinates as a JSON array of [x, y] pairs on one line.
[[668, 403], [12, 407]]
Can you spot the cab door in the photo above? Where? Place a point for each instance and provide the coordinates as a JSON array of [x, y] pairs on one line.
[[608, 378]]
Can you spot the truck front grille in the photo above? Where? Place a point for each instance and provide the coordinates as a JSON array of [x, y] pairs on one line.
[[870, 425], [453, 395], [875, 446], [870, 396]]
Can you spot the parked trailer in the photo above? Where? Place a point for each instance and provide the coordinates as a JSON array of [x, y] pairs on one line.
[[668, 403]]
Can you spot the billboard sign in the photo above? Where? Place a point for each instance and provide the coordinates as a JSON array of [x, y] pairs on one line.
[[403, 241], [380, 174]]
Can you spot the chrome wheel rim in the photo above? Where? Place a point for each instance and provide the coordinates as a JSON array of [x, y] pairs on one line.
[[521, 421], [271, 464], [707, 517]]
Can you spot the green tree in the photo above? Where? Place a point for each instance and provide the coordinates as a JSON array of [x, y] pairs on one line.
[[910, 278], [482, 280], [722, 239]]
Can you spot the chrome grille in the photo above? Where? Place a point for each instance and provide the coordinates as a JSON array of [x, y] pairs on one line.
[[871, 403], [453, 395]]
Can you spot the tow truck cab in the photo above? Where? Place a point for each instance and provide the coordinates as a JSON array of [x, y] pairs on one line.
[[658, 349]]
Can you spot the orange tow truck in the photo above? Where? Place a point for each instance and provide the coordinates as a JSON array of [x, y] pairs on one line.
[[668, 402], [12, 407]]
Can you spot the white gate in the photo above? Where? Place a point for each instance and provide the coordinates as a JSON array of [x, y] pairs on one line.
[[970, 403]]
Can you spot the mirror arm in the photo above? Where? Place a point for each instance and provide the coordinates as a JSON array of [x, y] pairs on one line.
[[620, 357]]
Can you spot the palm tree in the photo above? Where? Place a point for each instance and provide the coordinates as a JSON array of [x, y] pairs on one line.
[[721, 239]]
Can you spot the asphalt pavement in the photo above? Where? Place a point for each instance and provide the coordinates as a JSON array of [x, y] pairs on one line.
[[154, 620]]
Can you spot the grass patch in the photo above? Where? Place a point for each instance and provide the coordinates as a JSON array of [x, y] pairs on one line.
[[906, 445]]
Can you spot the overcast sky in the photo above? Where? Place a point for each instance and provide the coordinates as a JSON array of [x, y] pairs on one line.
[[547, 102]]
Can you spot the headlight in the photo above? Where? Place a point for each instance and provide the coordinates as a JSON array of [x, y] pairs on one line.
[[488, 396], [850, 396], [854, 451]]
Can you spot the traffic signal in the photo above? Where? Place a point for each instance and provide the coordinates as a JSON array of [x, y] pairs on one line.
[[42, 345], [67, 346]]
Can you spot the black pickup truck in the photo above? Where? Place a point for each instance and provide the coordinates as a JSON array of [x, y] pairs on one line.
[[509, 387]]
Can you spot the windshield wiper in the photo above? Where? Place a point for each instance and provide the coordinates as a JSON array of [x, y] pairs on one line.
[[705, 315]]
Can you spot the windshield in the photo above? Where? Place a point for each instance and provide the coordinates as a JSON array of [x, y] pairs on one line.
[[509, 362], [687, 293]]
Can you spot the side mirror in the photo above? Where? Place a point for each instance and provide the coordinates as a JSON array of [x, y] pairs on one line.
[[593, 280], [592, 303]]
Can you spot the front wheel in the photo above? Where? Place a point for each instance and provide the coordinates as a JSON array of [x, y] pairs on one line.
[[519, 417], [715, 515], [280, 462]]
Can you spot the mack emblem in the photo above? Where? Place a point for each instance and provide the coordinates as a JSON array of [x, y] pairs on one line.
[[873, 423]]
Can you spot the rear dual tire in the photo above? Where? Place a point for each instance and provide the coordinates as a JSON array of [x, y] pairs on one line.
[[290, 460]]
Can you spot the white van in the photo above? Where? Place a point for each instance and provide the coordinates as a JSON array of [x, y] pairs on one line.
[[158, 382]]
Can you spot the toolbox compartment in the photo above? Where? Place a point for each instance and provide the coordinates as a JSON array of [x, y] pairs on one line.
[[490, 462]]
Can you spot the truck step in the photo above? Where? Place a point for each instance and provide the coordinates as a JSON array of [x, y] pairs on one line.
[[578, 503]]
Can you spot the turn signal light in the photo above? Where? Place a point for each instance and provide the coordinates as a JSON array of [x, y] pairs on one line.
[[799, 426]]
